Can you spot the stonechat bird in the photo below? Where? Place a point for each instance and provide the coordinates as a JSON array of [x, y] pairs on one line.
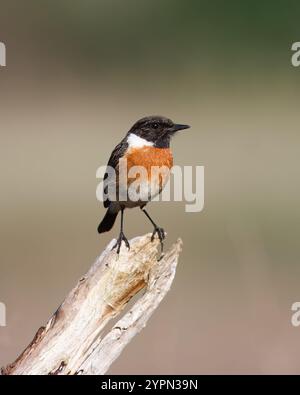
[[146, 145]]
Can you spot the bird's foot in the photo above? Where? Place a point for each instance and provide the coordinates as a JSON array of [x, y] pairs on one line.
[[118, 244], [161, 235]]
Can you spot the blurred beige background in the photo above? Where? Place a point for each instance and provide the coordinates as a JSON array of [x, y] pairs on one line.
[[78, 75]]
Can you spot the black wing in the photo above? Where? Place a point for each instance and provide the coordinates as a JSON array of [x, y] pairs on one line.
[[113, 161]]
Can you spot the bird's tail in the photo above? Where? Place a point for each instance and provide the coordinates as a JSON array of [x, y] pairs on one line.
[[108, 221]]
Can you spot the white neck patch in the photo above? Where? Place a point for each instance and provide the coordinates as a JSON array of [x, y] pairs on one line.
[[135, 141]]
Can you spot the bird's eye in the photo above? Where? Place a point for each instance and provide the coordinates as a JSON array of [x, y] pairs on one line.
[[155, 125]]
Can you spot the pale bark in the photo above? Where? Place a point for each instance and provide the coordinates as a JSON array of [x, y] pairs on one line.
[[72, 341]]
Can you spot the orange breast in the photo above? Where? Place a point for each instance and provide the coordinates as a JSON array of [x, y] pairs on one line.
[[148, 157]]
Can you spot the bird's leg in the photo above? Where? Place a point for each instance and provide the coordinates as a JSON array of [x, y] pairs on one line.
[[160, 232], [121, 236]]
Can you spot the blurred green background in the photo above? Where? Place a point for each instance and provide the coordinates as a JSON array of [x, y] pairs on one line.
[[78, 75]]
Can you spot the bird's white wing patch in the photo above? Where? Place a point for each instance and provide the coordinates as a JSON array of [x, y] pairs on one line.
[[135, 141]]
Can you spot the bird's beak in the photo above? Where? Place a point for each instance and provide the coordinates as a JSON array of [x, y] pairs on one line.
[[178, 126]]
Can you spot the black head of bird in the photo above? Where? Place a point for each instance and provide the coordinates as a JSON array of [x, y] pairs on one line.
[[156, 129]]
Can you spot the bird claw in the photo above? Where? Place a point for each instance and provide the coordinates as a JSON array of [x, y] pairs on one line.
[[118, 244], [161, 235]]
